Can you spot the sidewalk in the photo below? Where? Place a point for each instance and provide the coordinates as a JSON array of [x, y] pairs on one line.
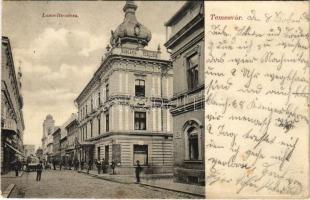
[[11, 174], [163, 181]]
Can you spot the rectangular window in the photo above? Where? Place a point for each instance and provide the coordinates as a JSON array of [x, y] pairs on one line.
[[192, 71], [106, 153], [83, 137], [91, 105], [99, 99], [98, 153], [99, 126], [140, 152], [107, 123], [86, 131], [140, 120], [91, 128], [107, 92], [140, 88]]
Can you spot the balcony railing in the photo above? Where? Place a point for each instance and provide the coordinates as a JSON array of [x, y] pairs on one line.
[[136, 52]]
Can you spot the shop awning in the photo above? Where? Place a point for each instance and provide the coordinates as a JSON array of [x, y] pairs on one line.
[[14, 149], [80, 144]]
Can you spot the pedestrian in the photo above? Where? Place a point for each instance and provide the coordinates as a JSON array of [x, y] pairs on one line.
[[54, 164], [138, 169], [77, 164], [89, 165], [98, 164], [39, 171], [16, 167], [103, 166], [113, 167], [60, 165], [70, 164], [82, 165]]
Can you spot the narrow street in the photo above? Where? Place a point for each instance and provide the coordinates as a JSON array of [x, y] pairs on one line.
[[70, 184]]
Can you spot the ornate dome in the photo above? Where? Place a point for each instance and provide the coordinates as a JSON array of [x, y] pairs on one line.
[[130, 33], [49, 116]]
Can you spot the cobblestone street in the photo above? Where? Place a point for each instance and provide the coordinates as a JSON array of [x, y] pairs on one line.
[[70, 184]]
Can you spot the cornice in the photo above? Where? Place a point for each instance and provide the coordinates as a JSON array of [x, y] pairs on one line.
[[130, 133], [188, 93], [186, 30], [190, 107]]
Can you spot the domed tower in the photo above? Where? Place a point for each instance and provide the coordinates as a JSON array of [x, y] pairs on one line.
[[48, 125], [130, 33]]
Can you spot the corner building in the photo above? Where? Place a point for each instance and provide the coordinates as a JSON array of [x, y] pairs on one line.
[[123, 111], [186, 43]]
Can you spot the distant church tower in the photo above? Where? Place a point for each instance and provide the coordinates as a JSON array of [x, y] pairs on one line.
[[48, 128]]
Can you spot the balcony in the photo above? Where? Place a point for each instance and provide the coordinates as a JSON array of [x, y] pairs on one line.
[[9, 125]]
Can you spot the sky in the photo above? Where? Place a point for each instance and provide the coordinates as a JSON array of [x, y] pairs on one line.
[[58, 56]]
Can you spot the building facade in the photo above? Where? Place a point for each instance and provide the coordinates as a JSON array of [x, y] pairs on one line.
[[47, 139], [123, 112], [63, 143], [72, 138], [29, 150], [56, 156], [12, 121], [39, 153], [186, 43]]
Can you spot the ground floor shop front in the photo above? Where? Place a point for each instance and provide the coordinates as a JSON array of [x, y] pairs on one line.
[[154, 152], [10, 151]]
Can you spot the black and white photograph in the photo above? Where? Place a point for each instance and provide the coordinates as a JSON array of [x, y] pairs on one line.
[[102, 99], [155, 99]]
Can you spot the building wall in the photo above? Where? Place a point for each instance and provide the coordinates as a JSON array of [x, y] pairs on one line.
[[29, 150], [180, 82], [12, 121], [188, 113], [186, 17], [160, 156], [121, 105]]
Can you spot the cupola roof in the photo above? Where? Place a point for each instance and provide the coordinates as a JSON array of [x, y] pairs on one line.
[[130, 33]]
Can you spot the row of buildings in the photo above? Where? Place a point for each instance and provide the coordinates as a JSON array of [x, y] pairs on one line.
[[138, 106], [12, 121]]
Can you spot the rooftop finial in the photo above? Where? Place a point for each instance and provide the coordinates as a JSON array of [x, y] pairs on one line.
[[130, 6]]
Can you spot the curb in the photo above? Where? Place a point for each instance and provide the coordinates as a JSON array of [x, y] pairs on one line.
[[144, 184], [21, 173], [8, 191], [174, 190], [104, 178]]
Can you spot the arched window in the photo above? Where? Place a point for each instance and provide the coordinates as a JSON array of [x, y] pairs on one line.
[[193, 143], [192, 137]]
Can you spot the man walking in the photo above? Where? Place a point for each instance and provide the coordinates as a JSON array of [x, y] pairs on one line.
[[138, 170], [54, 164], [103, 166], [39, 171], [113, 167], [16, 166], [60, 165], [98, 164]]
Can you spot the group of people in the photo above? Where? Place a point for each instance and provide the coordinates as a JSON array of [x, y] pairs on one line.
[[102, 166], [66, 164]]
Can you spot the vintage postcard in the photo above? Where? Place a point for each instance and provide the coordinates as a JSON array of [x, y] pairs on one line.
[[155, 99]]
